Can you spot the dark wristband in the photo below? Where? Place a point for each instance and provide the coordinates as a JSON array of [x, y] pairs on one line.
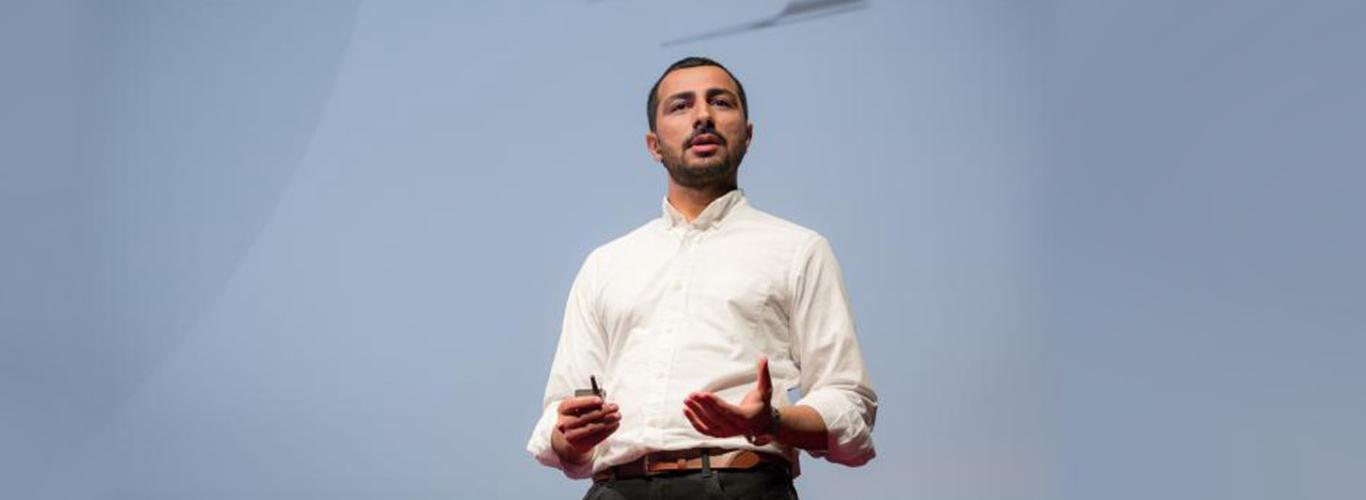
[[773, 422]]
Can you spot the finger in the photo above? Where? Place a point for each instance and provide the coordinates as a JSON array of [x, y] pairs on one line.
[[714, 417], [703, 397], [710, 399], [578, 434], [580, 404], [702, 422], [567, 422], [765, 382], [601, 433], [598, 413], [697, 422], [590, 435], [603, 415], [734, 418]]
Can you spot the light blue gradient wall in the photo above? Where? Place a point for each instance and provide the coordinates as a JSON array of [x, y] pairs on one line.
[[256, 250]]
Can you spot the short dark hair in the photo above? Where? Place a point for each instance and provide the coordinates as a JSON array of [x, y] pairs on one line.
[[690, 62]]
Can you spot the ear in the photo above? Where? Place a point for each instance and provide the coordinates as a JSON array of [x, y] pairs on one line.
[[652, 145], [749, 133]]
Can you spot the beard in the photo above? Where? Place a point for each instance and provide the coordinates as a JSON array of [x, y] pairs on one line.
[[706, 172]]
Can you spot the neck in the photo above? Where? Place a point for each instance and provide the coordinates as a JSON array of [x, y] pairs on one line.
[[691, 201]]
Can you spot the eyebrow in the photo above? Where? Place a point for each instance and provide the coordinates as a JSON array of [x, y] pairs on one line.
[[711, 92]]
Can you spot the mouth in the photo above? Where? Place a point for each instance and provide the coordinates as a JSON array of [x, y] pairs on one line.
[[705, 144]]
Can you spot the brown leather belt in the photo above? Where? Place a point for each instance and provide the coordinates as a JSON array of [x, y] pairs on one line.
[[685, 460]]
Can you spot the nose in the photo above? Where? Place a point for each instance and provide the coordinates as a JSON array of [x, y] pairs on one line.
[[702, 117]]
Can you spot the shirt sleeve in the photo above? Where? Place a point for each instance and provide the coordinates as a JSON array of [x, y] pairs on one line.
[[581, 353], [833, 378]]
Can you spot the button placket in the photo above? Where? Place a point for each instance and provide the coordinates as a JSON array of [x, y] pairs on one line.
[[678, 305], [671, 315]]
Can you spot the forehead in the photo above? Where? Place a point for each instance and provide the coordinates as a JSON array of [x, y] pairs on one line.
[[697, 79]]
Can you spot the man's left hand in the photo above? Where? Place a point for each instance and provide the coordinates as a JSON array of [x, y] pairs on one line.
[[715, 417]]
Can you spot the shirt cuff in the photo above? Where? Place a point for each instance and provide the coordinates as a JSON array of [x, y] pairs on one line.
[[541, 448], [848, 422]]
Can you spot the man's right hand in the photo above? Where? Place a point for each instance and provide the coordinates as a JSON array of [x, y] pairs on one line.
[[583, 422]]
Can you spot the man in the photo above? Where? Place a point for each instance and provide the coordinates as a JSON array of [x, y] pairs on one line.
[[692, 320]]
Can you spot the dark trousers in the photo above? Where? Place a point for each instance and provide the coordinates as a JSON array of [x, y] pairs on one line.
[[763, 482]]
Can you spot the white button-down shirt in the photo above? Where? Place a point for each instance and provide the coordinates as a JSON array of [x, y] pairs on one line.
[[675, 307]]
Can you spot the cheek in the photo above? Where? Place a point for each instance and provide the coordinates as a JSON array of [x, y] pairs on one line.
[[736, 131], [672, 136]]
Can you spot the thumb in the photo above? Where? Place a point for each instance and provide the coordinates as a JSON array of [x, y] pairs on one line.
[[765, 383]]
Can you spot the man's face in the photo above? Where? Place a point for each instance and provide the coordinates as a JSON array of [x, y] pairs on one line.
[[700, 130]]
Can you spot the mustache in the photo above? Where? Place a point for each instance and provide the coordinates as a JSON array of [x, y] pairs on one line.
[[707, 129]]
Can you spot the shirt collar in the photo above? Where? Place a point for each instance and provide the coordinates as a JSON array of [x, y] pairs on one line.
[[716, 211]]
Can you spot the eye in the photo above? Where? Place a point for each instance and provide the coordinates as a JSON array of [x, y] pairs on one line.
[[677, 105], [721, 102]]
